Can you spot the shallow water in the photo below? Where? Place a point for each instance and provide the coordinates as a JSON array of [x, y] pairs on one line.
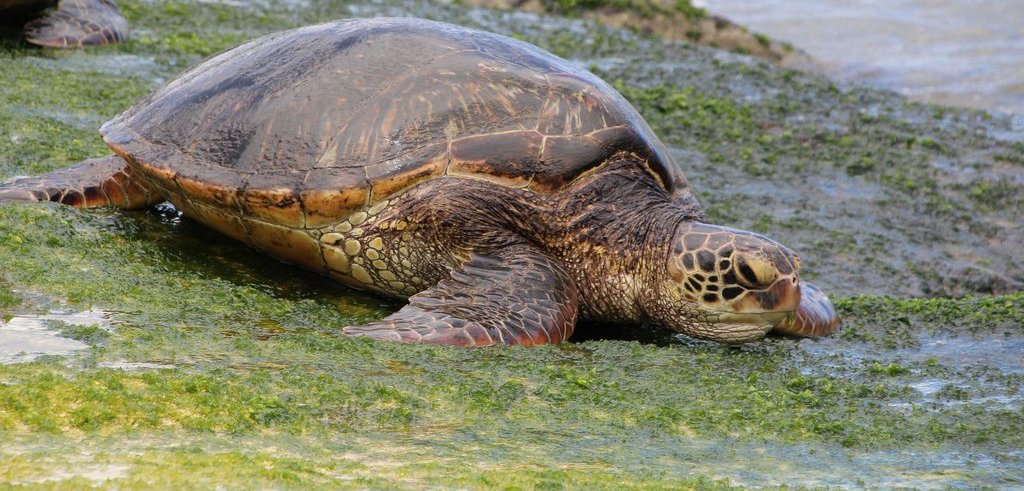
[[24, 338], [957, 52]]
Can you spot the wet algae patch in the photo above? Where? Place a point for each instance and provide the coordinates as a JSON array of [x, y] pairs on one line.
[[222, 366], [253, 351], [253, 361]]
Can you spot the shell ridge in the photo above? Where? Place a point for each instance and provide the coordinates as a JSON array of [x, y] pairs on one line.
[[547, 101]]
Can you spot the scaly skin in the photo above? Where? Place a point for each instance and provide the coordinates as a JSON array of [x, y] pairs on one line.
[[104, 181]]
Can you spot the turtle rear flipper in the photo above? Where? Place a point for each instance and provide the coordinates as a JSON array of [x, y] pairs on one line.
[[105, 181], [515, 296], [77, 23]]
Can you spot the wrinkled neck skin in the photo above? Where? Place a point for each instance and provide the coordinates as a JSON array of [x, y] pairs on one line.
[[613, 231]]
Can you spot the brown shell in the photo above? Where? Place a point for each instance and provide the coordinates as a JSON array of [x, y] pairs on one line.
[[303, 127]]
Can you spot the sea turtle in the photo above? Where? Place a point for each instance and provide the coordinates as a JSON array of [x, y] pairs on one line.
[[506, 192], [67, 23]]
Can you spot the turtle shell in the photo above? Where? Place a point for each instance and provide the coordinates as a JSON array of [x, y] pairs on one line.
[[301, 128]]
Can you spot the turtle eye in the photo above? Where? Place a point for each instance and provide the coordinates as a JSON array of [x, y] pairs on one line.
[[754, 273]]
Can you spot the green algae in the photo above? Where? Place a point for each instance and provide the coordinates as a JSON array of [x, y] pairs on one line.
[[8, 298], [281, 368], [43, 106], [757, 136], [257, 389], [184, 316], [968, 314], [213, 462]]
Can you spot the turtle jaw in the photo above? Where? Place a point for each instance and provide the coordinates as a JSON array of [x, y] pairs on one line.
[[783, 296], [815, 317], [755, 313], [748, 318], [738, 328], [703, 321], [802, 310]]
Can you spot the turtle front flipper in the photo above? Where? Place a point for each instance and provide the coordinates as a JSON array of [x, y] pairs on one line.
[[517, 295], [815, 317], [77, 23], [105, 181]]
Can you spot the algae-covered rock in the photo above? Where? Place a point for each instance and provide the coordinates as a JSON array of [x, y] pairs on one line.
[[676, 20]]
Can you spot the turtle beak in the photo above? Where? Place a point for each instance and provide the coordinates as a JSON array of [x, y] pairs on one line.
[[815, 316], [782, 296]]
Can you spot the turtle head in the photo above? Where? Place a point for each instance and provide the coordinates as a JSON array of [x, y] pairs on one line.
[[734, 286]]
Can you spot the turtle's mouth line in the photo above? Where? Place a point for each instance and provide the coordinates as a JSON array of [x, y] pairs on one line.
[[759, 312], [764, 319]]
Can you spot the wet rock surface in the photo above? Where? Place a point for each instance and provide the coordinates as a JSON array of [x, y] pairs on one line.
[[674, 20], [220, 366]]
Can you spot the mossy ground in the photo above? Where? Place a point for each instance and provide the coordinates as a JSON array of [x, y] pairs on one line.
[[223, 367]]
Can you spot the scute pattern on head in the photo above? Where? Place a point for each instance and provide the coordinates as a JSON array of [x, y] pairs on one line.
[[326, 129], [731, 269]]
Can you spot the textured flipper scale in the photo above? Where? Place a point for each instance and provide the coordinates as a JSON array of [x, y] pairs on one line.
[[77, 23], [95, 182], [517, 295]]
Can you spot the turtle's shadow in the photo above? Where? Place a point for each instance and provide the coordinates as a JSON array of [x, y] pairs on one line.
[[644, 334], [12, 37], [648, 334], [14, 44]]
